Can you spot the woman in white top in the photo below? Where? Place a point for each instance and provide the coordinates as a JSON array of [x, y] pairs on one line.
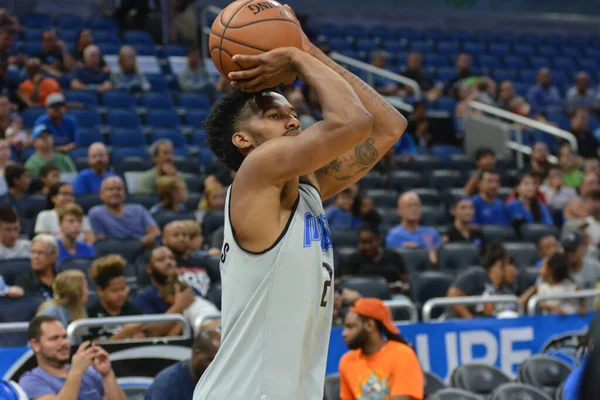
[[60, 195]]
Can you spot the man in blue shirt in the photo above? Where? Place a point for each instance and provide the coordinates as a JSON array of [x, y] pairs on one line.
[[544, 97], [63, 127], [88, 377], [89, 180], [489, 209], [179, 380], [91, 76], [409, 233]]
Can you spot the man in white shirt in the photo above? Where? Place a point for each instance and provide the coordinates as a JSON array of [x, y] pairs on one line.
[[10, 228]]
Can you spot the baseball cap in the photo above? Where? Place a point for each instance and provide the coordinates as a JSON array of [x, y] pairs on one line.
[[375, 309], [575, 224], [55, 99], [572, 240], [38, 130]]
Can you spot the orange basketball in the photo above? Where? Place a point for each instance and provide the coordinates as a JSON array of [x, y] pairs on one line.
[[251, 27]]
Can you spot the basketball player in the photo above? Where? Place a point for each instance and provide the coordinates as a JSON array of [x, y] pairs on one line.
[[276, 259]]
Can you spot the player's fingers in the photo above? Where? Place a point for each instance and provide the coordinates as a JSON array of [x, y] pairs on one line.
[[249, 85], [244, 74], [247, 61], [289, 9]]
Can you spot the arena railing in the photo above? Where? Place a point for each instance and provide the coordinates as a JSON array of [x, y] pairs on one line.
[[370, 70], [466, 301], [75, 328], [204, 319], [396, 305], [8, 327], [534, 301]]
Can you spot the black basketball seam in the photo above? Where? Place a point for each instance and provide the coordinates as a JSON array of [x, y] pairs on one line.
[[263, 20], [225, 26], [231, 55], [236, 42]]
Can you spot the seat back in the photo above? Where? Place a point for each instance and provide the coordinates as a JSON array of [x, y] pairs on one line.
[[543, 372], [415, 260], [498, 232], [344, 237], [457, 256], [478, 378], [129, 249], [11, 268], [430, 284], [518, 391], [454, 394], [332, 387], [534, 232], [213, 220], [525, 254], [368, 286], [82, 264], [164, 217], [432, 383]]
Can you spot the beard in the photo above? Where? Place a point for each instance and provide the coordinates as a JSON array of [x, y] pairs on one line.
[[358, 342], [159, 277]]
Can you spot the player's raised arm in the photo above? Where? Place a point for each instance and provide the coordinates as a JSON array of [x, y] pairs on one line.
[[346, 123]]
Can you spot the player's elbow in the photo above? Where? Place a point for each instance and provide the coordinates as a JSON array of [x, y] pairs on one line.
[[399, 126], [361, 123]]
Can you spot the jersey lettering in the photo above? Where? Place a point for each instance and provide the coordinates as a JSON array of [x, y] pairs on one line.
[[224, 252], [316, 229], [326, 285]]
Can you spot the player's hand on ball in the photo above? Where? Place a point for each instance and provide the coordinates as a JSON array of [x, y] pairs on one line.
[[265, 70], [307, 46]]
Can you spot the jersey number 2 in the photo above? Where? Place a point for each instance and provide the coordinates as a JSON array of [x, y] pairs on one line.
[[326, 285]]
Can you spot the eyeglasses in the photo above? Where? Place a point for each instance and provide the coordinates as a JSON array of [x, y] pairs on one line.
[[39, 253], [67, 193]]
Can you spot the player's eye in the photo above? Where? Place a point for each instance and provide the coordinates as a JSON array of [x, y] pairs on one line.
[[274, 116]]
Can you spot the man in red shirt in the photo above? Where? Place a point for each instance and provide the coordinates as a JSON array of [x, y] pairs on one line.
[[380, 364]]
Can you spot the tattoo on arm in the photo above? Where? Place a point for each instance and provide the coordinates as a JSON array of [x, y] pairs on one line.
[[347, 165]]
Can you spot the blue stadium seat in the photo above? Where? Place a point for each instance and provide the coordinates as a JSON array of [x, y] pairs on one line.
[[500, 75], [515, 62], [86, 118], [561, 120], [383, 198], [403, 180], [498, 232], [394, 46], [531, 39], [547, 51], [445, 104], [69, 35], [68, 21], [138, 37], [88, 201], [175, 50], [32, 205], [87, 136], [443, 179], [158, 82], [528, 76], [78, 263], [109, 48], [156, 101], [198, 138], [129, 249], [461, 35], [567, 51], [461, 162], [556, 40], [118, 99], [329, 30], [589, 65], [196, 118], [565, 64], [507, 38], [337, 44], [77, 152], [424, 162], [31, 114], [483, 36], [382, 33], [434, 34], [10, 269], [145, 50], [127, 164], [534, 232], [87, 97], [499, 49], [193, 101], [429, 197], [488, 61], [559, 79], [162, 119], [408, 34], [421, 46], [436, 60], [122, 152], [106, 37], [447, 47], [538, 62], [173, 135], [446, 73], [367, 45], [371, 181], [355, 31], [213, 220], [368, 286], [123, 119], [523, 50], [32, 48], [34, 20], [126, 138], [146, 200], [103, 24], [32, 35], [474, 48], [576, 41]]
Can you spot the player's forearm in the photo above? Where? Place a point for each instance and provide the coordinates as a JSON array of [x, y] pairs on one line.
[[387, 121]]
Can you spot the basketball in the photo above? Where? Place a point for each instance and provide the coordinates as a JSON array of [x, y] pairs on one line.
[[250, 28]]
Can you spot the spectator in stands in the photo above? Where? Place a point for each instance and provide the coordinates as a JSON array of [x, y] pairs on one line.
[[297, 100], [473, 281], [586, 141], [463, 71], [581, 225], [108, 273], [196, 238], [544, 97], [43, 142], [116, 219], [160, 263], [506, 92], [70, 218], [7, 115], [69, 299], [17, 135], [485, 159], [84, 39], [17, 179], [538, 160], [489, 208], [162, 155], [585, 270], [339, 215], [63, 127], [593, 221], [526, 207], [590, 182], [546, 246], [127, 76], [8, 87], [555, 279], [380, 363], [581, 95], [55, 57], [418, 126], [195, 77], [583, 381], [567, 159], [179, 380], [462, 229], [576, 208], [89, 180], [47, 221], [91, 76], [172, 195], [4, 161], [90, 375], [49, 176], [213, 199], [10, 228], [373, 260], [414, 71], [592, 165], [34, 91], [13, 292], [382, 85], [409, 233], [38, 281]]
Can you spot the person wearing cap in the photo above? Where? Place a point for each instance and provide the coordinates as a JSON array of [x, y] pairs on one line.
[[43, 142], [62, 127], [581, 225], [583, 382], [585, 270], [380, 362]]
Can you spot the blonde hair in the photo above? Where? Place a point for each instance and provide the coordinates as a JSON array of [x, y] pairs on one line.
[[193, 228], [49, 241], [122, 54], [166, 186], [209, 191], [68, 287], [70, 209]]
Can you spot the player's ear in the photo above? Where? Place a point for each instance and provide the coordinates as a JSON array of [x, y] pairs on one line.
[[242, 140]]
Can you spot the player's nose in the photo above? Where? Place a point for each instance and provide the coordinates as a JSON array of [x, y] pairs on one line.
[[292, 123]]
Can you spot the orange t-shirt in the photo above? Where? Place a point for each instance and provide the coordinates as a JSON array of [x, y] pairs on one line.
[[47, 87], [392, 371]]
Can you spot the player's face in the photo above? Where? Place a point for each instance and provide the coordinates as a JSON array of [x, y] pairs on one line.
[[355, 334], [275, 117]]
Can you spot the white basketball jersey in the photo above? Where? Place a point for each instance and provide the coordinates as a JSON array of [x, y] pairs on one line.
[[277, 309]]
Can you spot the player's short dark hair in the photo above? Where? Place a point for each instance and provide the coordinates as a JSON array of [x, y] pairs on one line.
[[224, 120], [12, 172], [35, 326], [494, 252], [482, 152], [8, 215], [46, 169]]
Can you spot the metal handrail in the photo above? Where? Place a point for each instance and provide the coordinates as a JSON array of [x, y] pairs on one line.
[[467, 300], [75, 327], [14, 327], [580, 294], [204, 319], [403, 304], [370, 69], [519, 119]]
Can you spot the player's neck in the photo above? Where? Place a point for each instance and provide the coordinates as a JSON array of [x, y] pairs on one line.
[[373, 345]]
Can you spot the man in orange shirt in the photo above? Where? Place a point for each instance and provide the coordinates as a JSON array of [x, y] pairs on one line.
[[33, 92], [377, 368]]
